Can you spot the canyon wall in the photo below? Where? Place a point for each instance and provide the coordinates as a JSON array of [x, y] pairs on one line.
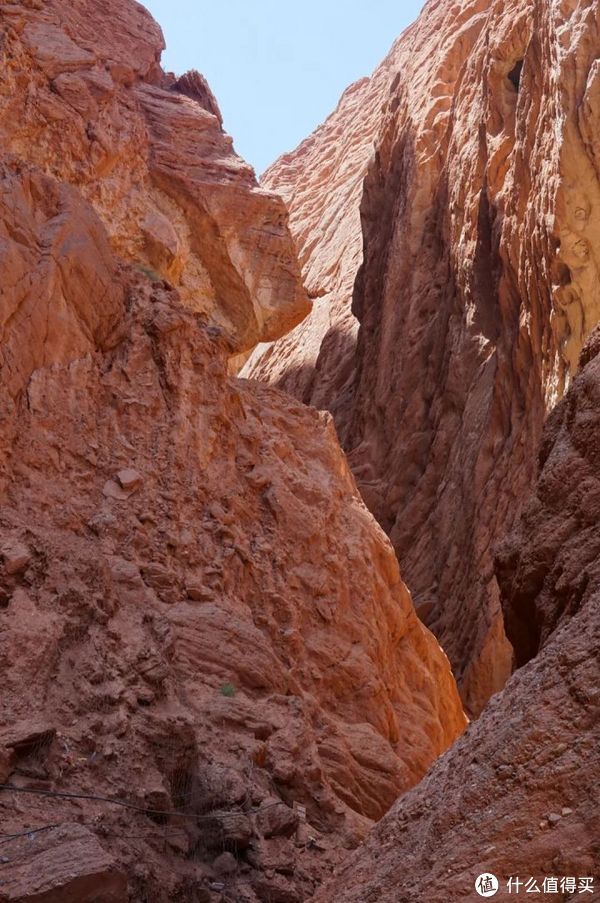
[[518, 794], [478, 286], [148, 151], [322, 184], [213, 676]]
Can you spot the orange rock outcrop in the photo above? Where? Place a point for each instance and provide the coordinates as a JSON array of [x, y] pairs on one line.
[[479, 242], [202, 628], [148, 151], [518, 795]]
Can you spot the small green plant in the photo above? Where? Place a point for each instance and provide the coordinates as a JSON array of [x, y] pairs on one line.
[[151, 274], [228, 690]]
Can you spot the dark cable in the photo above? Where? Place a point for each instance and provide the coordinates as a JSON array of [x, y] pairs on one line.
[[8, 837], [67, 795]]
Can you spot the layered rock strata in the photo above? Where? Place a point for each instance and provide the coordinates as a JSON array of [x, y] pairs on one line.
[[149, 152], [477, 289], [213, 676], [518, 795]]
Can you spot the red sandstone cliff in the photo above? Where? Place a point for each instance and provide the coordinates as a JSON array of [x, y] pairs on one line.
[[322, 184], [519, 795], [198, 615], [479, 284], [149, 153], [201, 626]]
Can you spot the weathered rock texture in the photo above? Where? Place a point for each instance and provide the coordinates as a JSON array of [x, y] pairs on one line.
[[322, 183], [198, 615], [518, 795], [548, 568], [481, 227], [148, 151]]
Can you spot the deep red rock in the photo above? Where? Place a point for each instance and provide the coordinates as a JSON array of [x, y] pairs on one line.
[[84, 100], [207, 616], [62, 865], [518, 795], [479, 242]]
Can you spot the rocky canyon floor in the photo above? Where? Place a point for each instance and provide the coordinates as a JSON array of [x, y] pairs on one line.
[[326, 627]]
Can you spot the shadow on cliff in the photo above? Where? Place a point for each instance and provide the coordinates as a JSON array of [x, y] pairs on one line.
[[329, 384]]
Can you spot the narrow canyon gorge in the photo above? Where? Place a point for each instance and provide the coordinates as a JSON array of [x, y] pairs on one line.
[[455, 269], [300, 479]]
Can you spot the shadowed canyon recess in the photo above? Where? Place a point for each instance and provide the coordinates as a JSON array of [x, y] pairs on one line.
[[216, 685]]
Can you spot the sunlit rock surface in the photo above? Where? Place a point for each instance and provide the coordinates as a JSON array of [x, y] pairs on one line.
[[199, 617], [479, 230], [518, 795]]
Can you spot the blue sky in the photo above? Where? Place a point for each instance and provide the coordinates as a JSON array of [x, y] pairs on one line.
[[278, 67]]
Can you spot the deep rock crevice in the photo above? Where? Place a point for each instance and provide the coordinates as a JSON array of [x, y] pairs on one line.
[[470, 272], [214, 679]]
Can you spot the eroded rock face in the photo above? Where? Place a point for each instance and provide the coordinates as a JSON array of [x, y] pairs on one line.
[[231, 611], [65, 863], [322, 183], [234, 613], [59, 296], [198, 615], [548, 567], [478, 288], [84, 99], [518, 795]]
